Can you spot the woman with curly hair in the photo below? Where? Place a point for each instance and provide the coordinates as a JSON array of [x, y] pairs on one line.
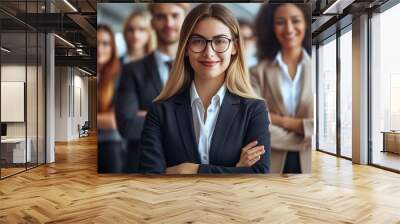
[[283, 79]]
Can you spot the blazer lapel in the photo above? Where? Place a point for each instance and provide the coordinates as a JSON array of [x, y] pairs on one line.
[[273, 75], [305, 91], [183, 113], [226, 116], [152, 67]]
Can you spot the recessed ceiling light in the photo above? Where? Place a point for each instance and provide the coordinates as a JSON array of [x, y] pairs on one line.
[[64, 40], [5, 50], [337, 7], [70, 5], [84, 71]]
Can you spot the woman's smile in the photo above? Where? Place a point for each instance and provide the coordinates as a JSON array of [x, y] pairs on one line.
[[209, 63]]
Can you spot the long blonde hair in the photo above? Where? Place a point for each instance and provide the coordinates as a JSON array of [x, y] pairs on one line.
[[151, 43], [237, 76]]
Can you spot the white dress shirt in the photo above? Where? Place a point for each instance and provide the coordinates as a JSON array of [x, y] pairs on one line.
[[204, 128], [125, 59], [163, 69], [291, 88]]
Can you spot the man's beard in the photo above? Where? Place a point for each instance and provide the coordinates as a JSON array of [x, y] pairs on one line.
[[167, 41]]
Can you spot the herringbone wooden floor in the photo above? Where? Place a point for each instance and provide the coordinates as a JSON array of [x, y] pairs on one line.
[[70, 191]]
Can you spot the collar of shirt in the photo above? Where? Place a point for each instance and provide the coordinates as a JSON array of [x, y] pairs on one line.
[[285, 69], [204, 126], [218, 97], [304, 57], [161, 58], [163, 69], [125, 59]]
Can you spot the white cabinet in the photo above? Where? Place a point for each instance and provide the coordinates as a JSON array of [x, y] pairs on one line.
[[17, 145]]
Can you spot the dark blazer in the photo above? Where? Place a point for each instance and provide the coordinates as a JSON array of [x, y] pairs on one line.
[[140, 83], [168, 137]]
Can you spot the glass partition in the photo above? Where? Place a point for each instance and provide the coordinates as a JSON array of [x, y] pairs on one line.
[[385, 89], [13, 105], [327, 96], [22, 90]]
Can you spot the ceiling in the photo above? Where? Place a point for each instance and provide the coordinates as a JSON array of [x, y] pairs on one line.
[[75, 21]]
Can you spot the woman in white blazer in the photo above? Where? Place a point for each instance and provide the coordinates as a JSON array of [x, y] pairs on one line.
[[283, 79]]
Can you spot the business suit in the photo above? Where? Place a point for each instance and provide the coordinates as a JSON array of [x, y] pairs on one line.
[[110, 145], [139, 85], [168, 137], [265, 81]]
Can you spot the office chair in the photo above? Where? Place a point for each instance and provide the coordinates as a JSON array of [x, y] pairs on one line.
[[84, 130]]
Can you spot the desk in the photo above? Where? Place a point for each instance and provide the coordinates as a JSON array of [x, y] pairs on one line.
[[15, 148], [391, 141]]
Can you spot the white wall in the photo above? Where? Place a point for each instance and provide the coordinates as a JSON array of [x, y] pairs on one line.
[[50, 94], [33, 126], [360, 90], [16, 73], [61, 103], [71, 94]]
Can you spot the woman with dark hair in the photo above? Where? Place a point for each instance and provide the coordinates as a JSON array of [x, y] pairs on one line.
[[110, 144], [283, 79], [268, 44]]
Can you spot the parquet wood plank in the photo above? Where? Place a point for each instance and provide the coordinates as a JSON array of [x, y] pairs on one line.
[[70, 191]]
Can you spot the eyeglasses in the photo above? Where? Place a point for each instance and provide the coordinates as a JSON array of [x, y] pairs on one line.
[[218, 44]]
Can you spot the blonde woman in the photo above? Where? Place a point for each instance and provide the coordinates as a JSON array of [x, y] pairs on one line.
[[139, 37], [207, 118]]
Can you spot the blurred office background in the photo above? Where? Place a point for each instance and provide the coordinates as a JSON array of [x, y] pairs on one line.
[[114, 15]]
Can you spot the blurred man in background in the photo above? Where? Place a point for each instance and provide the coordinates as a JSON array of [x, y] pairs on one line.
[[143, 80]]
